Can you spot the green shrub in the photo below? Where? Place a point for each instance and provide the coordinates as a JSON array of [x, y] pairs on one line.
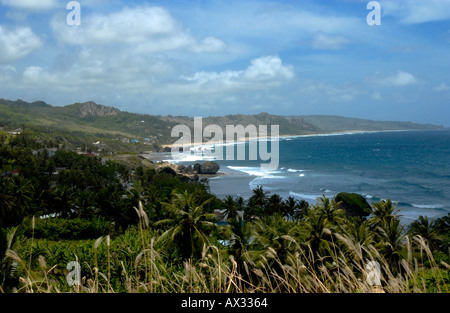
[[68, 229]]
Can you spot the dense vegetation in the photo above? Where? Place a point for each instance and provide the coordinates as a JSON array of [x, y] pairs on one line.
[[143, 230]]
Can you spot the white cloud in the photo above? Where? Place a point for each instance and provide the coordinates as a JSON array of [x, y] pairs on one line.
[[35, 74], [131, 51], [324, 41], [399, 79], [417, 11], [97, 72], [442, 87], [268, 68], [31, 4], [17, 43], [263, 72], [145, 29]]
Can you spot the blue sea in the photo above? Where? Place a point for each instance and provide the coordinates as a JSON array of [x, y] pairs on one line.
[[408, 167]]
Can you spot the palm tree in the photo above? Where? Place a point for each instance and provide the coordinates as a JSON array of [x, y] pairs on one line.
[[358, 237], [425, 228], [317, 235], [277, 234], [6, 201], [240, 203], [329, 208], [383, 212], [15, 197], [290, 205], [259, 196], [188, 224], [274, 205], [240, 236], [301, 210], [250, 209], [257, 202], [358, 229], [443, 225], [391, 243], [63, 200], [230, 207]]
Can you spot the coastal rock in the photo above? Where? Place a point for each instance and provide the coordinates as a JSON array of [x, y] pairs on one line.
[[189, 173], [185, 169], [197, 168], [353, 204], [209, 168]]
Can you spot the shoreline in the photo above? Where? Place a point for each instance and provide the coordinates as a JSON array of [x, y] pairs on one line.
[[248, 139], [167, 156], [234, 182], [161, 159]]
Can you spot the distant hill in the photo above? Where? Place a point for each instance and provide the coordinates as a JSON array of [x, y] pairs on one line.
[[85, 123], [330, 124]]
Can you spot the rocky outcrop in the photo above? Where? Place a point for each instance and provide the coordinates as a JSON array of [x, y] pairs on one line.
[[207, 168], [353, 204], [95, 110], [197, 168], [190, 173]]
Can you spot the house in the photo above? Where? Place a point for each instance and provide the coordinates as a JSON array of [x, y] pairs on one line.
[[51, 151], [17, 131]]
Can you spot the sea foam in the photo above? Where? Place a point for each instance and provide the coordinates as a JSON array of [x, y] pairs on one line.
[[254, 171], [294, 170], [427, 206], [304, 196]]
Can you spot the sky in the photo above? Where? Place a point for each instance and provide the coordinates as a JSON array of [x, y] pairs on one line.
[[219, 57]]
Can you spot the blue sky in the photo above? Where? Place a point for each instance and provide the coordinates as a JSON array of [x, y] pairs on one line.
[[217, 57]]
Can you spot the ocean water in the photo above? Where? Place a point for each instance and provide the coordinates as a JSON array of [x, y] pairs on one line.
[[408, 167]]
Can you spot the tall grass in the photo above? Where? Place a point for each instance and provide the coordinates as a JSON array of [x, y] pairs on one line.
[[135, 263]]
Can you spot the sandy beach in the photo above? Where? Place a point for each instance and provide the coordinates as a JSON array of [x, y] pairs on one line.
[[247, 138]]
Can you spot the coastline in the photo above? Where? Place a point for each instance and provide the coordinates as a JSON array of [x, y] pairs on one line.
[[167, 156], [248, 139], [239, 179], [163, 159]]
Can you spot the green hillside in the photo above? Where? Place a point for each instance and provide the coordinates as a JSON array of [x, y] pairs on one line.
[[85, 123], [330, 124]]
